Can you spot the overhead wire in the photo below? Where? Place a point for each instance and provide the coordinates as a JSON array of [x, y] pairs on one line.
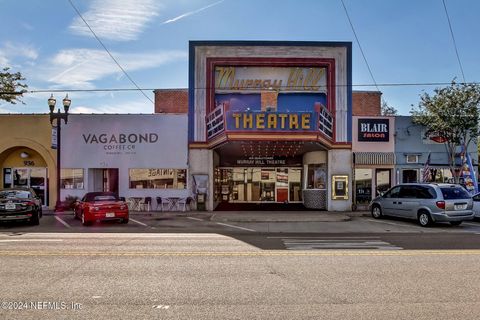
[[454, 42], [358, 43], [412, 84], [111, 56]]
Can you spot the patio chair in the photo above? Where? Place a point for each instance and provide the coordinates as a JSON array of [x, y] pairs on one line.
[[146, 204], [186, 202], [159, 203]]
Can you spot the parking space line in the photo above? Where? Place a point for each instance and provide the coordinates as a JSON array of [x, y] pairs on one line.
[[63, 222], [140, 223], [196, 219], [232, 226]]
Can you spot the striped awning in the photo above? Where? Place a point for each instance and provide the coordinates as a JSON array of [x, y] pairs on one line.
[[374, 158]]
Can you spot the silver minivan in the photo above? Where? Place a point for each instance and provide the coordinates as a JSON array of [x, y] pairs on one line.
[[425, 202]]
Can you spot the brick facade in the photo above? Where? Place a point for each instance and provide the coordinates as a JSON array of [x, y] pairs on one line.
[[366, 103], [171, 101]]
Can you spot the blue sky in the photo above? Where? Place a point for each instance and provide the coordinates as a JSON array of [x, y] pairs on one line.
[[404, 42]]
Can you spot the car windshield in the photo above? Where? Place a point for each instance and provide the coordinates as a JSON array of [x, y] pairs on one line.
[[450, 193], [5, 194]]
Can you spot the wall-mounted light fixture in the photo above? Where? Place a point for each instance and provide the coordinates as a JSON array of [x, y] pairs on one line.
[[24, 155]]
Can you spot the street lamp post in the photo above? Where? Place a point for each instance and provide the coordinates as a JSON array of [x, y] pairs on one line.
[[58, 116]]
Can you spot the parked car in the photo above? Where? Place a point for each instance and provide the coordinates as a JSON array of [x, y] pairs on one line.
[[425, 202], [100, 206], [476, 205], [20, 204]]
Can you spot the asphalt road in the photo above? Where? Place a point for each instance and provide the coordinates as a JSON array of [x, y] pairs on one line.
[[213, 276], [358, 233]]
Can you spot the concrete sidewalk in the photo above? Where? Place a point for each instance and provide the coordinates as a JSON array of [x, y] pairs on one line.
[[249, 216]]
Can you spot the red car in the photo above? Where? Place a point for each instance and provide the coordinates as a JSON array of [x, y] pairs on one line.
[[100, 206]]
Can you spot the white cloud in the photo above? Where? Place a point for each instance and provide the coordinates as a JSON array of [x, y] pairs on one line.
[[12, 51], [138, 106], [121, 20], [78, 68], [192, 12]]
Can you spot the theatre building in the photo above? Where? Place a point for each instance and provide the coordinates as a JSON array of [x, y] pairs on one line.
[[270, 123]]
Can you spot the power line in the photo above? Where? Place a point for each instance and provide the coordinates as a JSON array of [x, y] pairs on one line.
[[454, 42], [358, 43], [111, 56], [412, 84]]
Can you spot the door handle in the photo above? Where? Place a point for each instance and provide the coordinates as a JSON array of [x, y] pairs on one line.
[[399, 203]]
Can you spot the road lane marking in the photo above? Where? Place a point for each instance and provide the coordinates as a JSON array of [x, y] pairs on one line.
[[31, 240], [63, 222], [267, 253], [196, 219], [324, 237], [232, 226], [113, 235], [140, 223]]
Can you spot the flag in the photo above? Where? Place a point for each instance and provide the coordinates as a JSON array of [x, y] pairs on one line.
[[426, 177], [468, 174]]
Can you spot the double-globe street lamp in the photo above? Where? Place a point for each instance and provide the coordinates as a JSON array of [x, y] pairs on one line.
[[58, 116]]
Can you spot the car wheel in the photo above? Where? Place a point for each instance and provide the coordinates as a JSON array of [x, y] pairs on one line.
[[85, 222], [35, 219], [424, 219], [124, 220], [377, 212], [41, 212], [455, 223]]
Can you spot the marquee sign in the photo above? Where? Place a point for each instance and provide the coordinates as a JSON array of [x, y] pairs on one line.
[[271, 121], [304, 79], [373, 130]]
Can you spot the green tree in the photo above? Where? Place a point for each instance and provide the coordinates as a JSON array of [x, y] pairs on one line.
[[387, 110], [451, 113], [12, 87]]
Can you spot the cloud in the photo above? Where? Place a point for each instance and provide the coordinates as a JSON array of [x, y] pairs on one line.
[[135, 106], [11, 51], [78, 68], [192, 12], [121, 20]]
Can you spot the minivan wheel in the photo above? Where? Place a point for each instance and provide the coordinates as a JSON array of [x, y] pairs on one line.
[[424, 219], [455, 223], [377, 212]]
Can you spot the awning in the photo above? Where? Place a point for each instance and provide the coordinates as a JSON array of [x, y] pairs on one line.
[[374, 158]]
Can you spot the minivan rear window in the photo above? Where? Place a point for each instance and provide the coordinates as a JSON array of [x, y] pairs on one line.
[[450, 193]]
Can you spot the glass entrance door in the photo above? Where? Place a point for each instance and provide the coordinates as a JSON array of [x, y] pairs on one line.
[[257, 185], [383, 180], [34, 178]]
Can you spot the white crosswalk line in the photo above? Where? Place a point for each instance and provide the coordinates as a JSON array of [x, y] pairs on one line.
[[337, 243]]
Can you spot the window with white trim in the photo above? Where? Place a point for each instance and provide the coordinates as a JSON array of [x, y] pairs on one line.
[[412, 158]]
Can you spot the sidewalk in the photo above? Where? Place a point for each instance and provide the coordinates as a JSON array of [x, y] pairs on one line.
[[251, 216]]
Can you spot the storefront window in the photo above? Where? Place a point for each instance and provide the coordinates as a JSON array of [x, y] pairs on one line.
[[363, 186], [317, 176], [158, 178], [71, 178], [442, 175], [409, 176]]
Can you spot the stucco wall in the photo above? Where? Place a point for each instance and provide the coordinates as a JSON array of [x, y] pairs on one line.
[[34, 132], [339, 163]]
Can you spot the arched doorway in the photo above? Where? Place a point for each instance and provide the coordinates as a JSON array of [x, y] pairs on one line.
[[25, 167]]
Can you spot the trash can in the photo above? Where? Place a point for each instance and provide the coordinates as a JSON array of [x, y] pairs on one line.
[[201, 200]]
